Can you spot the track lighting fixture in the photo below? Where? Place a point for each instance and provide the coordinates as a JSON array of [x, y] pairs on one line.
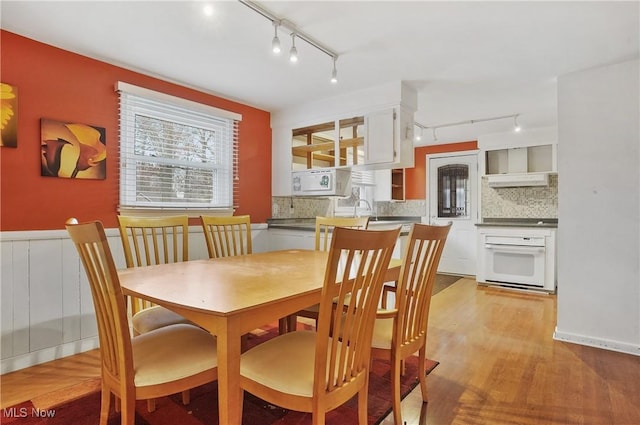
[[293, 53], [433, 128], [516, 126], [295, 33], [275, 43], [334, 73]]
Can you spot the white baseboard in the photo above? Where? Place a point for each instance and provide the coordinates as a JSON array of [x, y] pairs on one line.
[[606, 344], [33, 358]]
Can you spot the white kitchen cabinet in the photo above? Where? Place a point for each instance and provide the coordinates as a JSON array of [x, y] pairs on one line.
[[390, 185], [398, 150], [380, 136], [529, 159], [388, 138], [530, 151], [378, 139], [291, 239], [305, 239]]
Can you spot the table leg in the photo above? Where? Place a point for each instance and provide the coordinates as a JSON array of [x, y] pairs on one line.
[[229, 393]]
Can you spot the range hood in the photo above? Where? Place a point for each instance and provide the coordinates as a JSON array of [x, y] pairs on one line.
[[518, 179]]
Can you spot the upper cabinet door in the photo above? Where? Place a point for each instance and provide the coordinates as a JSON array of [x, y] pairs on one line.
[[389, 139], [380, 137]]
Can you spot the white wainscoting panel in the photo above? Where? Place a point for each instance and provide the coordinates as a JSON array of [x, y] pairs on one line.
[[46, 309], [45, 294]]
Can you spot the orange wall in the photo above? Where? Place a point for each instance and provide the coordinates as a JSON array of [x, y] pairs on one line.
[[416, 178], [60, 85]]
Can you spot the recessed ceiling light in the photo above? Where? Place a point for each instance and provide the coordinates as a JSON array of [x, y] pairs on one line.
[[207, 10]]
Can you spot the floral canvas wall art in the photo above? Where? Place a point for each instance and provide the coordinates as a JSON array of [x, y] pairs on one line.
[[8, 115], [73, 150]]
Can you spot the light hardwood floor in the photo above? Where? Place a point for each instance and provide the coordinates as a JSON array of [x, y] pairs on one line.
[[498, 365]]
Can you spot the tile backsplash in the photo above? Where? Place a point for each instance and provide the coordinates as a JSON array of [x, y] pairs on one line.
[[520, 202], [507, 202], [309, 207]]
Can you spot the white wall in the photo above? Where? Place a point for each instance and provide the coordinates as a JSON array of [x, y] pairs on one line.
[[599, 207]]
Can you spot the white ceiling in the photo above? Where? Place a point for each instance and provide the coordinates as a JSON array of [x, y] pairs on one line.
[[468, 60]]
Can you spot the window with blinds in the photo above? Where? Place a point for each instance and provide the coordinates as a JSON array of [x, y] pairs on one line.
[[176, 154], [362, 189]]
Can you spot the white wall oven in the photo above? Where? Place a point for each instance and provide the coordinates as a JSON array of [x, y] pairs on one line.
[[520, 257]]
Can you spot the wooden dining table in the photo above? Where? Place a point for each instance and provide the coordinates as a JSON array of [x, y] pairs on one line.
[[232, 296]]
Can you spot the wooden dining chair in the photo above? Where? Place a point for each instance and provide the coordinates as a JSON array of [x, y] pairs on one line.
[[227, 236], [402, 331], [149, 241], [311, 371], [324, 231], [161, 362]]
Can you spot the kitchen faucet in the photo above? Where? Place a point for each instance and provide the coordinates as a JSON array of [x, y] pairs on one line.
[[355, 206]]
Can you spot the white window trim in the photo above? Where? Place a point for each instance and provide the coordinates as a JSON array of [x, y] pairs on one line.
[[188, 104], [163, 97]]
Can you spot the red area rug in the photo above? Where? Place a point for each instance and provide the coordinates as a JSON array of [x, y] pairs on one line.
[[203, 409]]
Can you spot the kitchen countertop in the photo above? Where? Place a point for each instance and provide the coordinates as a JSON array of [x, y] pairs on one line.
[[549, 223], [309, 224]]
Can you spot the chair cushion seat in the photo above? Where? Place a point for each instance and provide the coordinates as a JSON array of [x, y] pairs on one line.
[[284, 363], [382, 333], [171, 353], [153, 318]]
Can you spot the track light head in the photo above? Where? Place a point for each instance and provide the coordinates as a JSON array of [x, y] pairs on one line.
[[435, 138], [516, 126], [275, 43], [418, 136], [334, 72], [293, 53]]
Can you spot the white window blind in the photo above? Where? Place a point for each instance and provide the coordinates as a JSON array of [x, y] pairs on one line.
[[362, 188], [363, 177], [176, 154]]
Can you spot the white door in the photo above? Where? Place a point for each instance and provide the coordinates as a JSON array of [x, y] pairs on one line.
[[452, 195]]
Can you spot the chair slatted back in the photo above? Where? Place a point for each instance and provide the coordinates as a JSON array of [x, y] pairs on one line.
[[417, 277], [153, 240], [227, 236], [358, 260], [108, 299], [325, 226]]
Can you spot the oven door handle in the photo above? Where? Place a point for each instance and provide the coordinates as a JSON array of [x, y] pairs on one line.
[[515, 248]]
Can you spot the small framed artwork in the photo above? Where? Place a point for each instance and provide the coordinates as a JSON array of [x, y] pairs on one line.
[[8, 115], [73, 150]]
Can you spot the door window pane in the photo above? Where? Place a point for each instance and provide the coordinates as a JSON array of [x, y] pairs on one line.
[[453, 190]]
